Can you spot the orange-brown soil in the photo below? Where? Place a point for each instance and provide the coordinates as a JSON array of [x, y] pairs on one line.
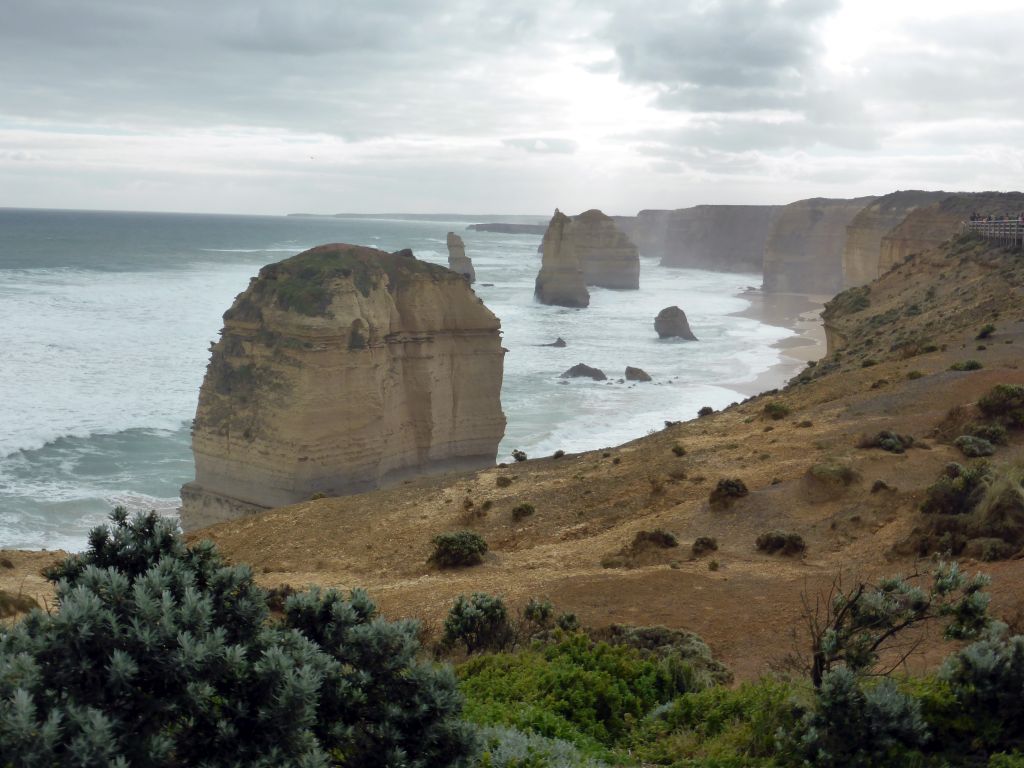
[[591, 505]]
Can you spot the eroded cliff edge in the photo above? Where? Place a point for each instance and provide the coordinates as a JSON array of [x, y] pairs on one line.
[[340, 370]]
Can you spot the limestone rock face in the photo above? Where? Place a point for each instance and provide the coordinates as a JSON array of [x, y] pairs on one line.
[[608, 257], [804, 253], [458, 261], [636, 374], [581, 371], [671, 323], [341, 370], [723, 238], [930, 226], [560, 280], [861, 255]]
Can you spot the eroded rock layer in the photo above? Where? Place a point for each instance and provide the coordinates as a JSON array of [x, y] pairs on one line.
[[804, 253], [609, 259], [724, 238], [560, 280], [340, 370], [458, 261], [926, 228], [861, 254]]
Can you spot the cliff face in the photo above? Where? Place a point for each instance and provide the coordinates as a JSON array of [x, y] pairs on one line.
[[458, 261], [340, 370], [861, 255], [724, 238], [608, 257], [560, 280], [804, 253], [928, 227]]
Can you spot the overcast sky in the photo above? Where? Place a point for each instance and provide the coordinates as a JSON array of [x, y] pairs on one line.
[[273, 106]]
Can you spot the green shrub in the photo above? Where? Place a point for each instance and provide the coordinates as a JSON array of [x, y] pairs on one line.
[[985, 331], [857, 726], [775, 410], [458, 549], [480, 622], [161, 654], [869, 362], [994, 433], [538, 611], [1006, 760], [707, 410], [523, 510], [519, 455], [1006, 403], [567, 622], [503, 481], [966, 365], [974, 447], [678, 450], [912, 375], [503, 747], [558, 454], [726, 491], [957, 490], [987, 679], [781, 542], [704, 544], [834, 472], [590, 694], [887, 440]]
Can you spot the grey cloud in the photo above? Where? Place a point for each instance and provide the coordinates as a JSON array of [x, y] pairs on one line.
[[719, 55], [543, 145]]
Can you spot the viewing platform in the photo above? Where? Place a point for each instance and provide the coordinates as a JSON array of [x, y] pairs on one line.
[[1007, 232]]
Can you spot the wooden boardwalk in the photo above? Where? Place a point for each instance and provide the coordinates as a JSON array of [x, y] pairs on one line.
[[1009, 233]]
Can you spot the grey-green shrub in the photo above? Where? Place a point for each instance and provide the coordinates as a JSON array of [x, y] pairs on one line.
[[480, 622], [458, 549], [161, 654]]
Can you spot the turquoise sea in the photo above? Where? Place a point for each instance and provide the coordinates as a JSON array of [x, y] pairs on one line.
[[106, 321]]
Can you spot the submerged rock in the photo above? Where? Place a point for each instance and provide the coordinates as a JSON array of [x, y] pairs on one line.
[[458, 261], [560, 280], [671, 323], [636, 374], [580, 370], [559, 342], [341, 370]]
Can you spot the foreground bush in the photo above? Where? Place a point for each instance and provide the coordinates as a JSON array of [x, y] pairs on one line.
[[458, 549], [160, 654]]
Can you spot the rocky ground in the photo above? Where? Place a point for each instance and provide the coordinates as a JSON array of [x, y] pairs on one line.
[[901, 337]]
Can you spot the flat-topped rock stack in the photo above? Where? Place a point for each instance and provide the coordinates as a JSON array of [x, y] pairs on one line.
[[341, 370], [560, 280], [458, 261], [608, 257]]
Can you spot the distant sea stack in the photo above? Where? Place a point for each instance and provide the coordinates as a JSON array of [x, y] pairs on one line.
[[861, 255], [804, 253], [608, 257], [341, 370], [722, 238], [510, 229], [560, 280], [928, 227], [458, 261]]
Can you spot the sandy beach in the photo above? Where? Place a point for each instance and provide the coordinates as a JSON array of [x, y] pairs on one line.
[[797, 311]]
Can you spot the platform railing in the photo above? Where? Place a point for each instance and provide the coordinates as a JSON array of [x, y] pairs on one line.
[[1007, 232]]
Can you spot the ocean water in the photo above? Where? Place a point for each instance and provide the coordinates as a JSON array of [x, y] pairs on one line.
[[106, 321]]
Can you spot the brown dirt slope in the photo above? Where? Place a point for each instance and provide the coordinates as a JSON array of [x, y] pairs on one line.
[[590, 506]]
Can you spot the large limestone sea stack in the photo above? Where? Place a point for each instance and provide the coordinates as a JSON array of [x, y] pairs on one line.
[[608, 257], [560, 280], [340, 370], [458, 261]]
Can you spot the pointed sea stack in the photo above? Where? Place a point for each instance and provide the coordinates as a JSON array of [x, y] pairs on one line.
[[458, 261], [560, 280], [608, 257], [341, 370]]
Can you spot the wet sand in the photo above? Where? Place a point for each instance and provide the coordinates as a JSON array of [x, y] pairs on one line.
[[799, 312]]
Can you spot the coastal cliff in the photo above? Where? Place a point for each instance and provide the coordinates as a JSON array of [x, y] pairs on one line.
[[861, 254], [608, 257], [927, 228], [339, 370], [804, 253], [560, 280], [458, 261], [723, 238]]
